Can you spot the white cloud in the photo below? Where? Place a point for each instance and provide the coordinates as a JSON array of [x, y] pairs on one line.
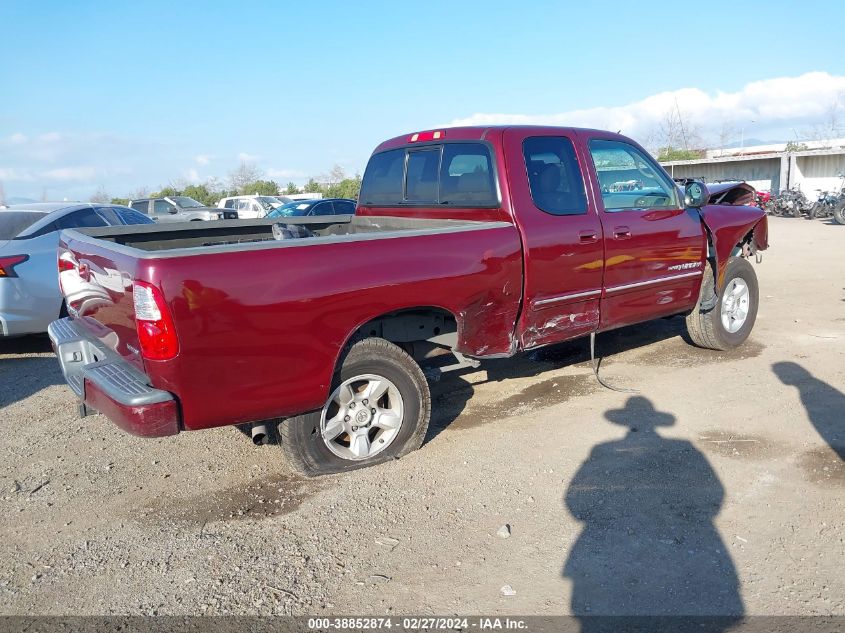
[[50, 137], [16, 175], [192, 176], [81, 173], [17, 139], [249, 158], [771, 104], [285, 173], [203, 159]]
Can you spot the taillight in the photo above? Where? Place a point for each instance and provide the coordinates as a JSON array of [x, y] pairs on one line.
[[66, 263], [7, 264], [156, 333]]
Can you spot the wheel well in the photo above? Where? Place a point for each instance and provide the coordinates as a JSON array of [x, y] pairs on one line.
[[435, 325]]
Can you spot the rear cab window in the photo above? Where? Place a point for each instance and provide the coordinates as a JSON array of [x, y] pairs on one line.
[[630, 180], [457, 174]]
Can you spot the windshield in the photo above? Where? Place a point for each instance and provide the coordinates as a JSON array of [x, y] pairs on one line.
[[268, 202], [290, 209], [186, 203], [12, 223]]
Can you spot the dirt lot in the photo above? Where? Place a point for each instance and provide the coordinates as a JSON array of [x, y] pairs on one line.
[[717, 489]]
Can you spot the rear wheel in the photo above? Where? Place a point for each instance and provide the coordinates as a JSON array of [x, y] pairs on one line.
[[378, 410], [729, 323], [839, 213]]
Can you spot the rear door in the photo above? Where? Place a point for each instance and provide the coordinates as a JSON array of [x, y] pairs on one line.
[[654, 247], [562, 236]]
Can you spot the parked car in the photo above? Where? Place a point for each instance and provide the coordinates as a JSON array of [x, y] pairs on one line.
[[179, 209], [252, 206], [480, 241], [29, 237], [326, 206]]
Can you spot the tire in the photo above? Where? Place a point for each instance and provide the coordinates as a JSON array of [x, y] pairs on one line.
[[368, 362], [707, 328], [815, 211], [839, 213]]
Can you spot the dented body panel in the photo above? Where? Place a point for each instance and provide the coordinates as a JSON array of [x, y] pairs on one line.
[[729, 226]]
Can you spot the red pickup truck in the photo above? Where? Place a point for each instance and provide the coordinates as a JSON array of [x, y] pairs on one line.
[[481, 241]]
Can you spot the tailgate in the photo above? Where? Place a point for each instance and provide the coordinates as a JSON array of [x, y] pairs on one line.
[[96, 282]]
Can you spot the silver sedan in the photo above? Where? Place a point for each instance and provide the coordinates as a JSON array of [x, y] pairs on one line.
[[29, 237]]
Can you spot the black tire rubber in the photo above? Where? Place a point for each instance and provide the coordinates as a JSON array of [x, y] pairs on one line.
[[839, 213], [300, 436], [814, 211], [705, 327]]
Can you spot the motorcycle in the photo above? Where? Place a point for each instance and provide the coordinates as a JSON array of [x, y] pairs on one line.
[[823, 206], [790, 202]]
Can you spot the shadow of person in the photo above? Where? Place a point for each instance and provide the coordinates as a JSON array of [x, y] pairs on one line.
[[649, 546], [825, 405]]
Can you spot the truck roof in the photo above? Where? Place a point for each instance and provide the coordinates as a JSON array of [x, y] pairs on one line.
[[473, 133]]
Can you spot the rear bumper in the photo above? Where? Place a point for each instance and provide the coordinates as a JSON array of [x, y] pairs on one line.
[[109, 384]]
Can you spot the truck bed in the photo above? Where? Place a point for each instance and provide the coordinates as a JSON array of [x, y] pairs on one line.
[[226, 235], [261, 322]]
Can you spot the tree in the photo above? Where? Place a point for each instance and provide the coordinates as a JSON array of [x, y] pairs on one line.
[[201, 193], [346, 188], [121, 201], [292, 189], [676, 131], [245, 174], [2, 195], [830, 127], [727, 132], [312, 186], [262, 188], [670, 153], [101, 196]]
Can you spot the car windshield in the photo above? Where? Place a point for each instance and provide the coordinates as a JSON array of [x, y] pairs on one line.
[[267, 202], [186, 203], [290, 209], [12, 223]]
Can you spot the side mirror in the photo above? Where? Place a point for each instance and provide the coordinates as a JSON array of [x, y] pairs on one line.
[[695, 194], [173, 211]]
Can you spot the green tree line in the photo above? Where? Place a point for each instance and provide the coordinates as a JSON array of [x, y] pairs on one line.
[[247, 180]]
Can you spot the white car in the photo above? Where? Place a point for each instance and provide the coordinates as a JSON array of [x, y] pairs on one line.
[[253, 206]]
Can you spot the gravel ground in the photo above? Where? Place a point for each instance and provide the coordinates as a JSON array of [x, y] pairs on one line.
[[717, 489]]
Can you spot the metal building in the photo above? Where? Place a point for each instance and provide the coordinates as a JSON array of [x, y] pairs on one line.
[[770, 168]]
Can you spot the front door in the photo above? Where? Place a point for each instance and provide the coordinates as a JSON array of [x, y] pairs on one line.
[[562, 237], [654, 247]]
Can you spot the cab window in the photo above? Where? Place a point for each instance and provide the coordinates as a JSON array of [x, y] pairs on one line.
[[629, 179], [554, 176]]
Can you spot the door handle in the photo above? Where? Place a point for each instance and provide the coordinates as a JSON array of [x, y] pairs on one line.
[[621, 233], [588, 237]]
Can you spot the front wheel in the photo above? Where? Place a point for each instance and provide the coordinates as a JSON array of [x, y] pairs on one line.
[[730, 321], [378, 410]]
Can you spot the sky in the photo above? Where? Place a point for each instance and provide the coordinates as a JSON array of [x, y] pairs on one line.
[[118, 96]]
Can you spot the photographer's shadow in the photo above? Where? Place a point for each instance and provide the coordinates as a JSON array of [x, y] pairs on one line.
[[648, 545]]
